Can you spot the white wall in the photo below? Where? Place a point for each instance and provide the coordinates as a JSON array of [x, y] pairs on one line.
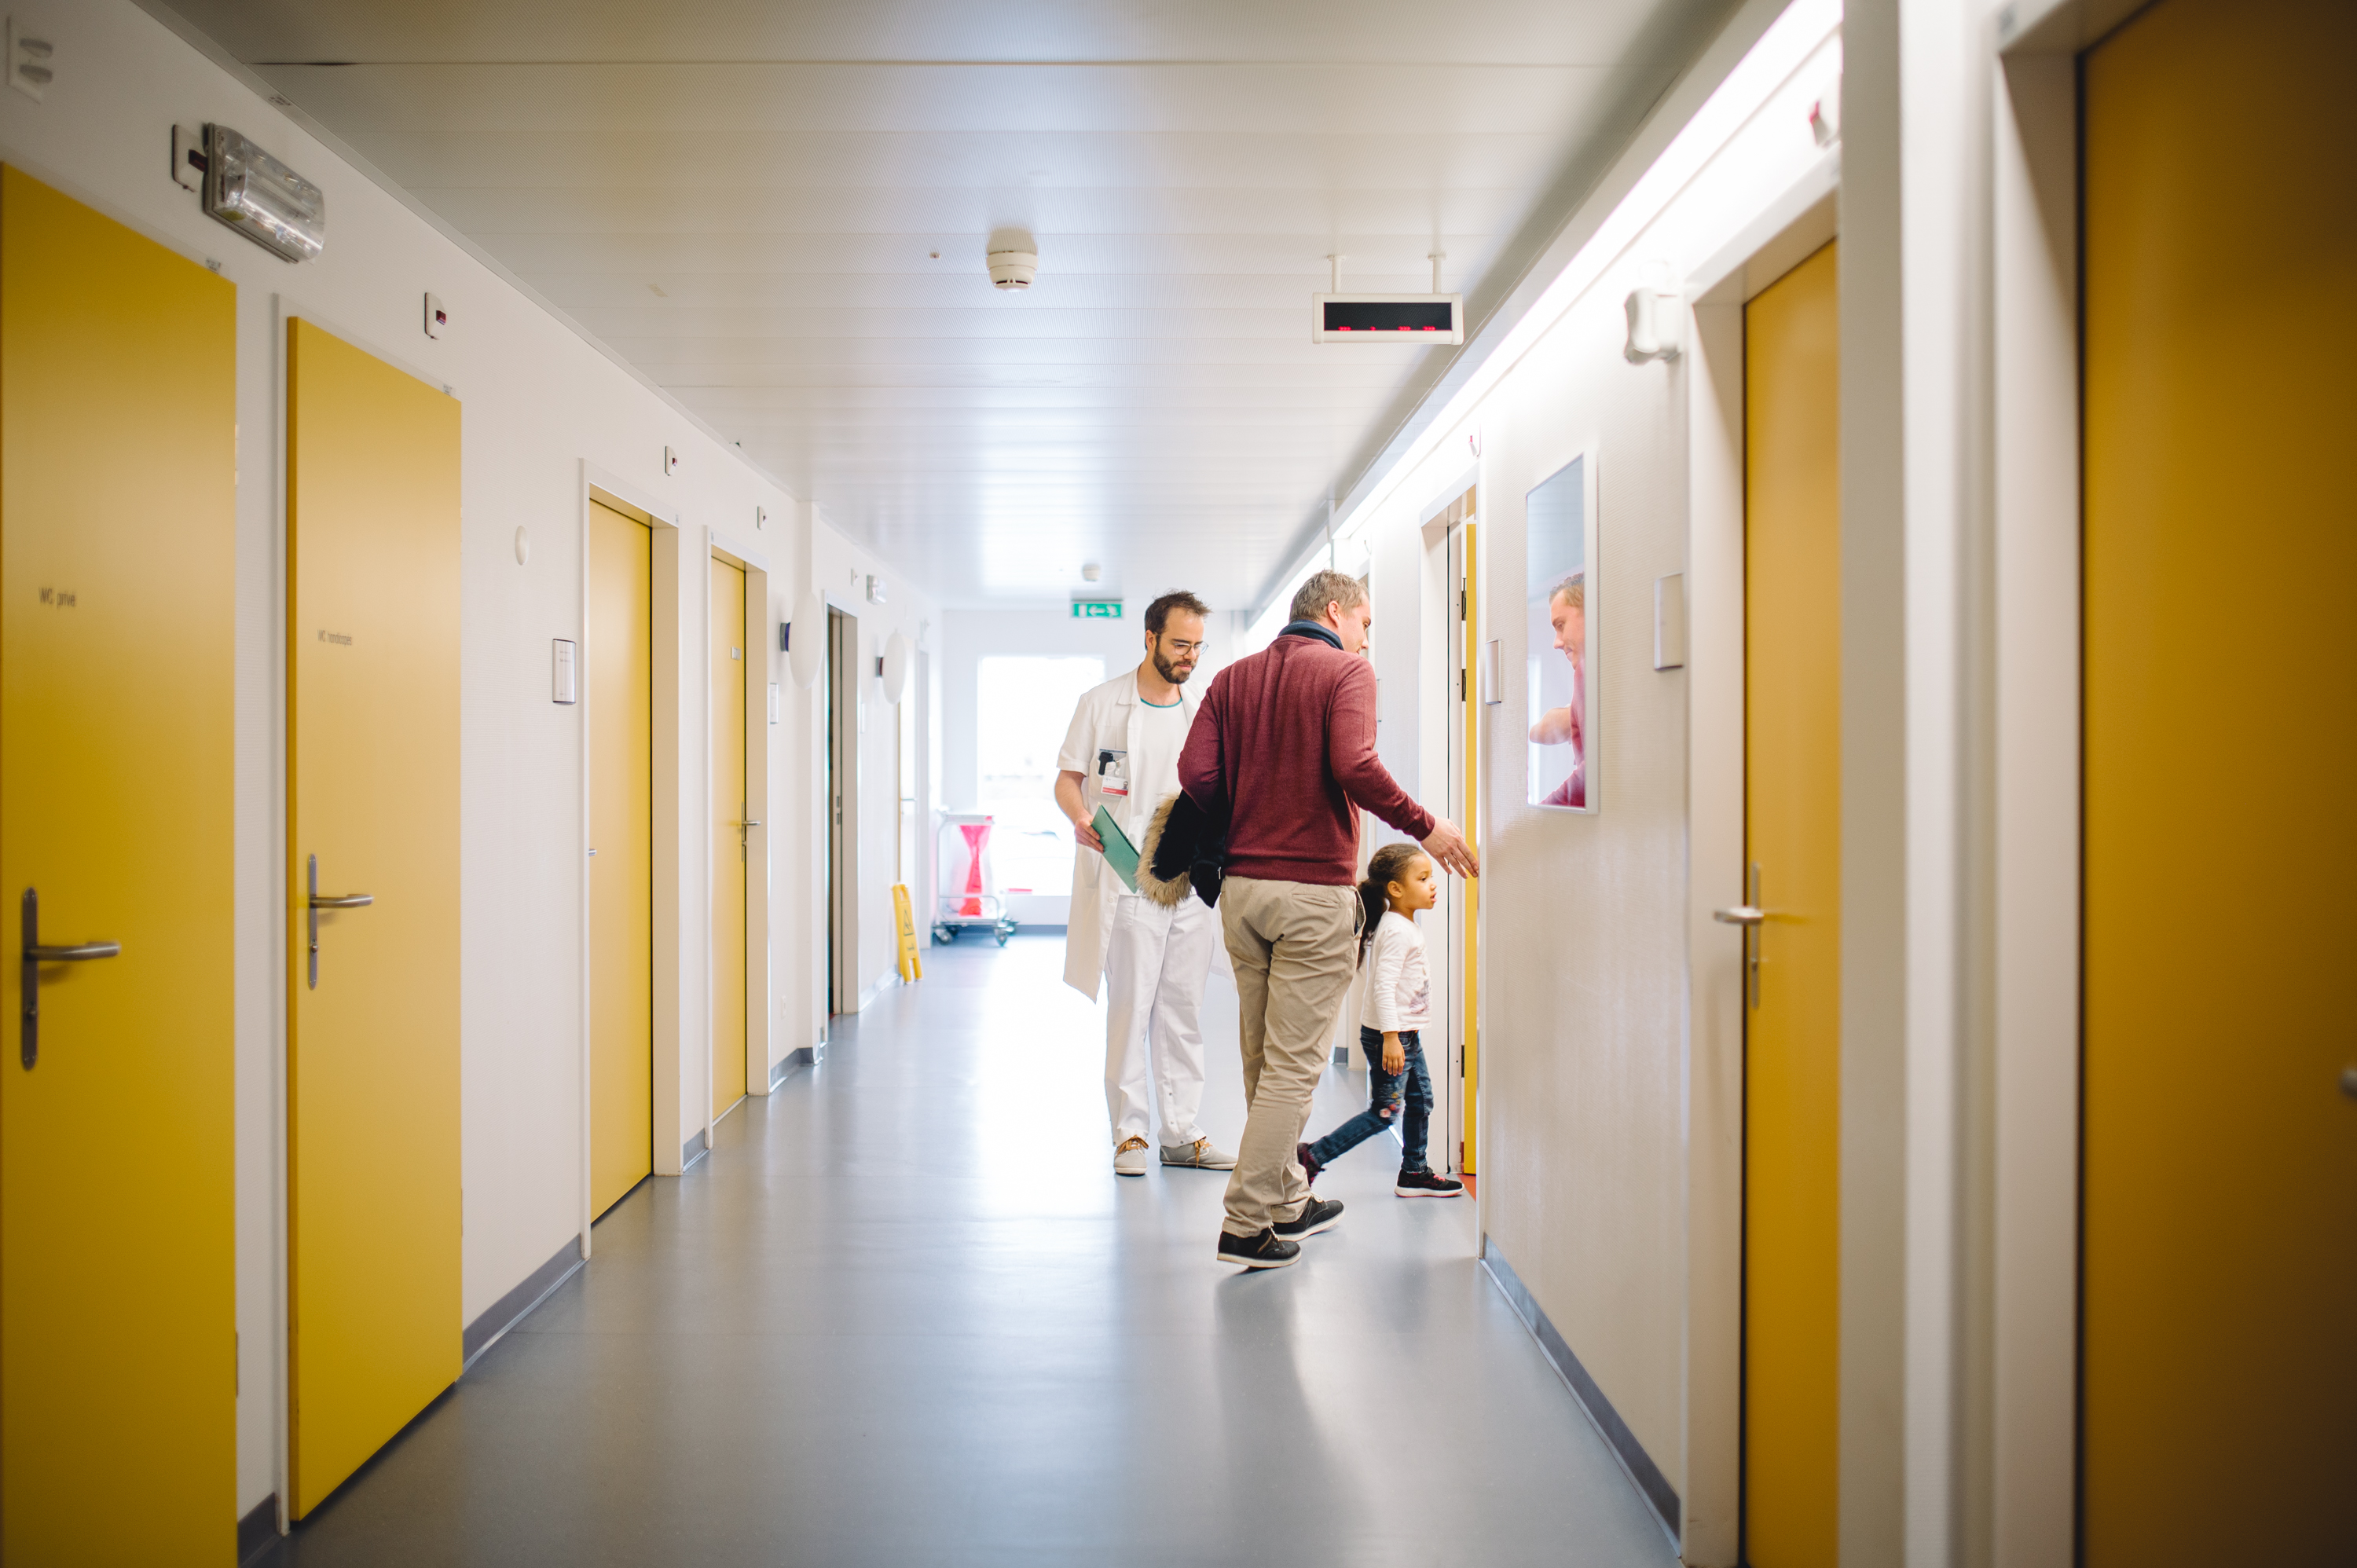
[[538, 403], [1611, 1083], [1586, 1059]]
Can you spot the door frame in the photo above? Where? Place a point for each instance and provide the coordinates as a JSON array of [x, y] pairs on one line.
[[1440, 730], [596, 484], [843, 737], [1791, 227], [2030, 1136], [761, 1005]]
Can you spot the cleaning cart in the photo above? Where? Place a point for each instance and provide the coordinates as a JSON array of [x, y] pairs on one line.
[[969, 896]]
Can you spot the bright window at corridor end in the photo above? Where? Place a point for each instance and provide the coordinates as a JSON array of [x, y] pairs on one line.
[[1023, 704]]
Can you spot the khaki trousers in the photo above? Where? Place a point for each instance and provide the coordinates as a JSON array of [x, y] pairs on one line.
[[1294, 948]]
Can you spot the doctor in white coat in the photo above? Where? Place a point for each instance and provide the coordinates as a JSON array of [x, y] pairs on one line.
[[1122, 753]]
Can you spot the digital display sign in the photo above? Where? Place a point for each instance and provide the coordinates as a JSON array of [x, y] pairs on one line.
[[1387, 317]]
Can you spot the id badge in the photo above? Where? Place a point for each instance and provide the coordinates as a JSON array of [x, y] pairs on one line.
[[1113, 773]]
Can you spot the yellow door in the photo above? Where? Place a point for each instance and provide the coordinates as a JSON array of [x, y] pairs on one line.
[[730, 832], [1792, 595], [2220, 1382], [118, 491], [372, 796], [621, 865]]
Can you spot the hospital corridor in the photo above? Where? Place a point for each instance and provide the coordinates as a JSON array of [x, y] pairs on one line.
[[906, 786]]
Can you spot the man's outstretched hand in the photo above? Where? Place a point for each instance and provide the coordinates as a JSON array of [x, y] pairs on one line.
[[1449, 851]]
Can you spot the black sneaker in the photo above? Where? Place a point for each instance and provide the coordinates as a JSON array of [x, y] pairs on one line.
[[1265, 1250], [1423, 1184], [1318, 1214], [1308, 1162]]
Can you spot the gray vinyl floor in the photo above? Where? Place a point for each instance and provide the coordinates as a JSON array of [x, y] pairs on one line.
[[904, 1313]]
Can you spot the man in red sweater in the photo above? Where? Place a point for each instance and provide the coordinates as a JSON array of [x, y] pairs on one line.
[[1284, 747]]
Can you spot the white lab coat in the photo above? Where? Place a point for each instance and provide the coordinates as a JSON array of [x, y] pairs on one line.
[[1106, 720]]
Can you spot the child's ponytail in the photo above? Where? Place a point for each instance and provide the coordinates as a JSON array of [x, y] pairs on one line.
[[1389, 864]]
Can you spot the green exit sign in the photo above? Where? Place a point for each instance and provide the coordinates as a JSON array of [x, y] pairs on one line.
[[1096, 609]]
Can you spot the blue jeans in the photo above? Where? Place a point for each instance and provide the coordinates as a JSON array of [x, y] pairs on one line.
[[1388, 1095]]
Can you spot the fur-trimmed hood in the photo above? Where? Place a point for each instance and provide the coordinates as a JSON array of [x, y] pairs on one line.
[[1172, 892]]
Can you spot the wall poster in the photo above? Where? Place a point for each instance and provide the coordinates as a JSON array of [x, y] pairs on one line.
[[1559, 520]]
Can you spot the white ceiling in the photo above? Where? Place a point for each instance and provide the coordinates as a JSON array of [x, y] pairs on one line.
[[741, 200]]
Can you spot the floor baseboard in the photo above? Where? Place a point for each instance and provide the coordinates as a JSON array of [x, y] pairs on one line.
[[1643, 1474], [516, 1306], [257, 1532]]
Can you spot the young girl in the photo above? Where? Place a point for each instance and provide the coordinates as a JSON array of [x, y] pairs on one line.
[[1400, 881]]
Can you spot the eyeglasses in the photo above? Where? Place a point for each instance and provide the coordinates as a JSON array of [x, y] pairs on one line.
[[1194, 648]]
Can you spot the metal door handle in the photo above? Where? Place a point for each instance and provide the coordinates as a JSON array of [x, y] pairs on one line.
[[748, 824], [35, 955], [332, 901], [1749, 915]]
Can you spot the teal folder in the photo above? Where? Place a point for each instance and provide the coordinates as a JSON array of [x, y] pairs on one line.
[[1119, 852]]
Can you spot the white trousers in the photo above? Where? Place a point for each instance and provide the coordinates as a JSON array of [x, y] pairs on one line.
[[1156, 961]]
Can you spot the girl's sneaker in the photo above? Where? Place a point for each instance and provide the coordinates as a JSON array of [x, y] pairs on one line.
[[1423, 1184]]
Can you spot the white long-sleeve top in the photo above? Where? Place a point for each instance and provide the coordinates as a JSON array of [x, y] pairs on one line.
[[1399, 987]]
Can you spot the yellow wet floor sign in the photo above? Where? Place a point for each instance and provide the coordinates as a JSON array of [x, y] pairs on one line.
[[911, 966]]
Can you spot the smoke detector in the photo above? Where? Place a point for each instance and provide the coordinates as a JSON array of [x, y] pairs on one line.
[[1092, 572], [1013, 259]]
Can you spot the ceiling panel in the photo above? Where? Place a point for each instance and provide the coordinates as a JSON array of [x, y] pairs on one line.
[[777, 212], [583, 31]]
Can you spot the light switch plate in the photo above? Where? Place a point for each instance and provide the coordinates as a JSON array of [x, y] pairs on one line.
[[773, 702], [1670, 621], [32, 60], [564, 687]]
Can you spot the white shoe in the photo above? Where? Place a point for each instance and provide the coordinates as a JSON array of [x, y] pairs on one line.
[[1130, 1158], [1202, 1154]]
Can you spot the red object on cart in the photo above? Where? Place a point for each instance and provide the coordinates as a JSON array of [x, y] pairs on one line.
[[976, 834]]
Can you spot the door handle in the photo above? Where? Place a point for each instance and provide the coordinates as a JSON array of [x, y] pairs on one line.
[[331, 901], [1747, 915], [35, 955]]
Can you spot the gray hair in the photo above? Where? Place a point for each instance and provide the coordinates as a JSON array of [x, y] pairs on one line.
[[1327, 588]]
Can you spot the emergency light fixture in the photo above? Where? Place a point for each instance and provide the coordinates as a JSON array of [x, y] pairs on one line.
[[261, 198]]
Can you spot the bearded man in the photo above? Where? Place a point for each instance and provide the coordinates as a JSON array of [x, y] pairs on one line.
[[1121, 754]]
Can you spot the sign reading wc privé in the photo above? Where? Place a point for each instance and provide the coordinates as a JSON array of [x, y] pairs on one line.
[[1096, 609]]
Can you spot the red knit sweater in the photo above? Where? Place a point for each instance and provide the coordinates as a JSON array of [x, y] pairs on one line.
[[1286, 739]]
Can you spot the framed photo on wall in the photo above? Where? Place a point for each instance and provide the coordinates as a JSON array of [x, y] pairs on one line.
[[1559, 635]]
